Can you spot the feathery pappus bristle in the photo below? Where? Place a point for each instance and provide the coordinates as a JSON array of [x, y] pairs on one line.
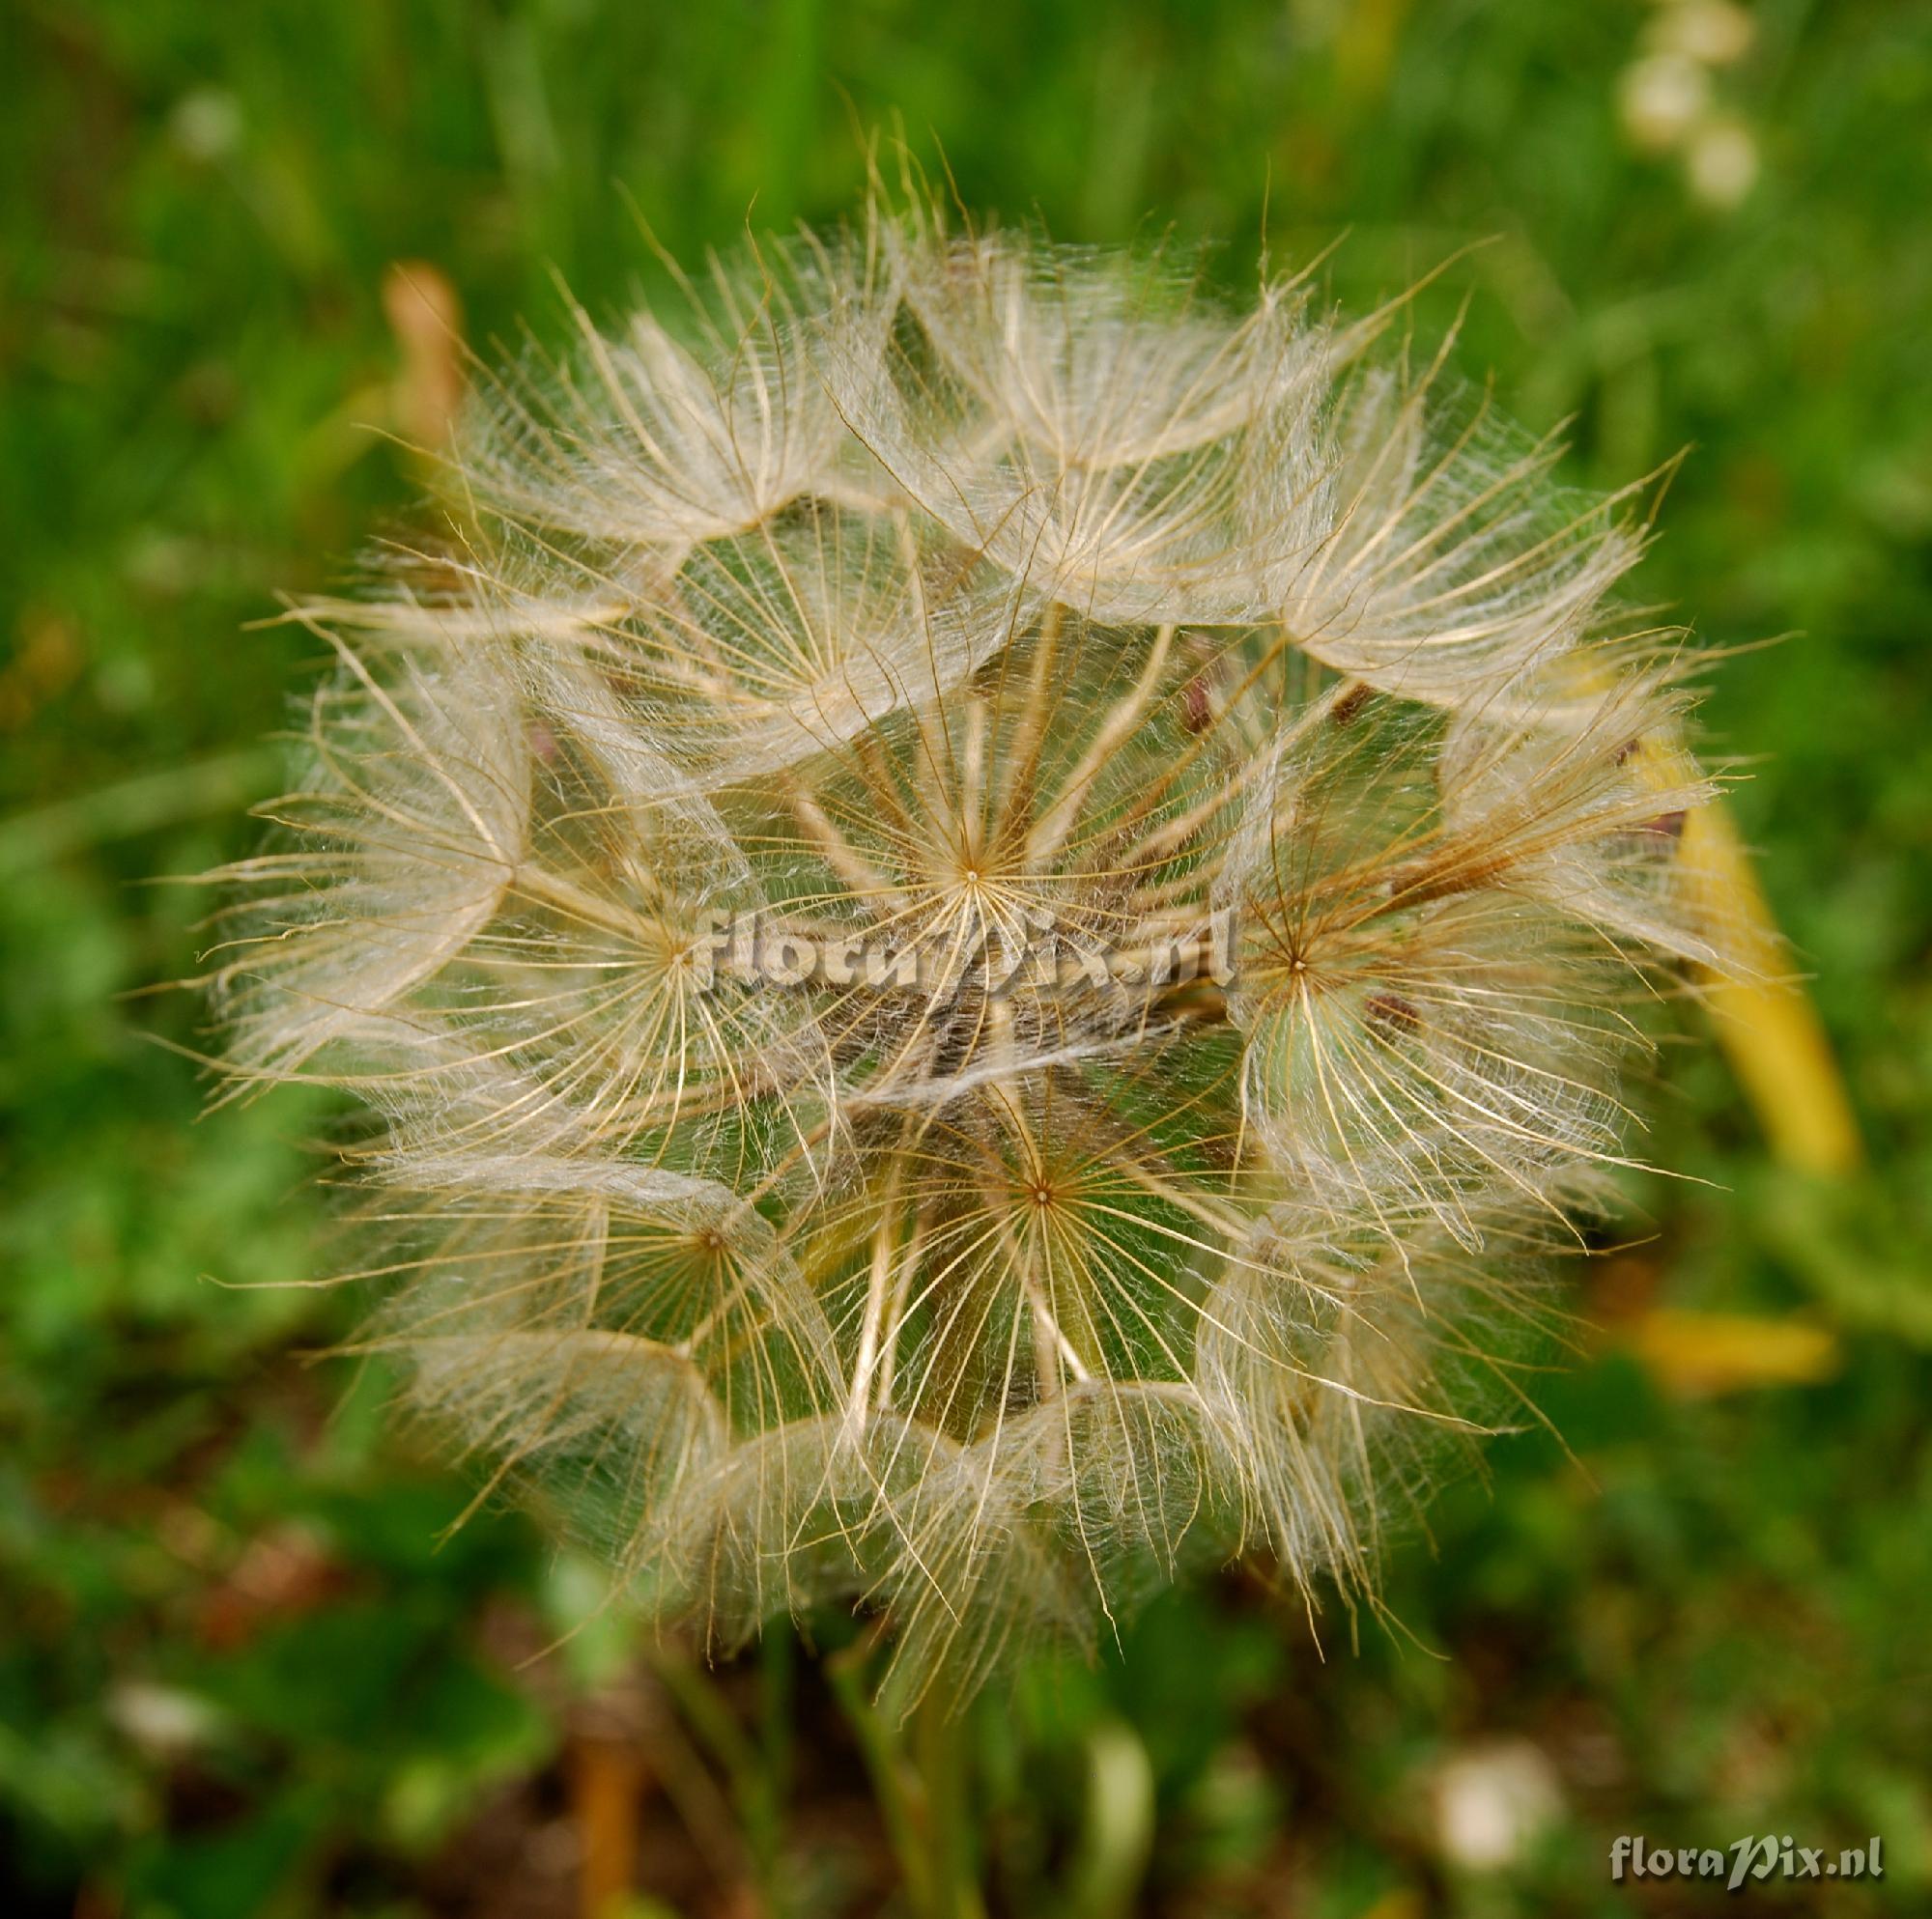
[[991, 912]]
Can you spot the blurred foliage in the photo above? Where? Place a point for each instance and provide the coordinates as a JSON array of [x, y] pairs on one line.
[[241, 1669]]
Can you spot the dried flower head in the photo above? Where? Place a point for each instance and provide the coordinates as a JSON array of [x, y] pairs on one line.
[[989, 910]]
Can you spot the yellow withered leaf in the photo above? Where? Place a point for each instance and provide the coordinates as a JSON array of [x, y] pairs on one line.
[[1766, 1023], [1698, 1353]]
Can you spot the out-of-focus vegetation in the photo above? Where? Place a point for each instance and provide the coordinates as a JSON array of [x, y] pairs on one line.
[[241, 1670]]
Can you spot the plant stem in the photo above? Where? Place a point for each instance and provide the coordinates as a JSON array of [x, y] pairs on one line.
[[939, 1729], [754, 1777], [918, 1765]]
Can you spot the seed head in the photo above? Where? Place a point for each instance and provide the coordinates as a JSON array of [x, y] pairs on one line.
[[989, 910]]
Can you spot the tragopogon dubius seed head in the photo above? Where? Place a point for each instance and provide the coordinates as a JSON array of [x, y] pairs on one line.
[[989, 910]]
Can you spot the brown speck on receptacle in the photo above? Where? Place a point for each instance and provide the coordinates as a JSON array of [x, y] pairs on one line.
[[1350, 702], [1390, 1014], [1198, 713]]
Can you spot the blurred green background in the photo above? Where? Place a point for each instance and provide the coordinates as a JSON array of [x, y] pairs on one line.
[[240, 1673]]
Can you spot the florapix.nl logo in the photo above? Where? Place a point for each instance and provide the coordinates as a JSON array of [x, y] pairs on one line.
[[1030, 951], [1753, 1857]]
